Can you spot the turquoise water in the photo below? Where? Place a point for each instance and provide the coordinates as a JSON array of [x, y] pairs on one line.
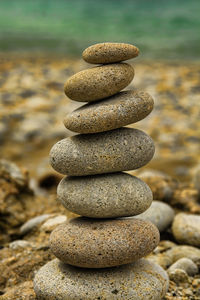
[[163, 29]]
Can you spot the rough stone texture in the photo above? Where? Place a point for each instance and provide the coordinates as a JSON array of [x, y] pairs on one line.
[[104, 53], [141, 280], [98, 82], [112, 151], [185, 264], [105, 196], [119, 110], [159, 213], [186, 229], [94, 243]]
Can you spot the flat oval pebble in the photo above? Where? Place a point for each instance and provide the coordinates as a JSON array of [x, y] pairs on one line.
[[104, 53], [186, 229], [106, 152], [119, 110], [105, 196], [91, 243], [160, 214], [99, 82], [142, 280]]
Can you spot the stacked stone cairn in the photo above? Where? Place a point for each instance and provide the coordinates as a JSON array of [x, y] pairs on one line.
[[100, 255]]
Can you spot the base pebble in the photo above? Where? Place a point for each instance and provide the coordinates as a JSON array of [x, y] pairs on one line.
[[142, 280]]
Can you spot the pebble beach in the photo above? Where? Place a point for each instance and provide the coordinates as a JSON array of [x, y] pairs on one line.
[[33, 106]]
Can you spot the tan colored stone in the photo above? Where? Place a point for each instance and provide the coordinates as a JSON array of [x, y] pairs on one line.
[[98, 82], [186, 229], [94, 243], [119, 110], [105, 152], [104, 53]]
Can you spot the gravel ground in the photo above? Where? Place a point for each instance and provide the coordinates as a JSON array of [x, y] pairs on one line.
[[32, 107]]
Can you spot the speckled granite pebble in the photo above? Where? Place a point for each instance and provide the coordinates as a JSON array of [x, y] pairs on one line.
[[104, 53], [119, 110], [159, 213], [105, 196], [94, 243], [186, 229], [142, 280], [99, 82], [112, 151]]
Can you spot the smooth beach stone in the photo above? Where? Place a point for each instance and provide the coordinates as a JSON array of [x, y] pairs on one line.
[[121, 149], [92, 243], [119, 110], [104, 53], [186, 229], [142, 280], [160, 214], [185, 264], [105, 196], [99, 82]]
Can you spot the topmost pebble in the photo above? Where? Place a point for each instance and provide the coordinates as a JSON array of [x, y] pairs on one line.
[[106, 53]]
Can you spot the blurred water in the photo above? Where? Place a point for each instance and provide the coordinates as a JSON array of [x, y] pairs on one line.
[[161, 29]]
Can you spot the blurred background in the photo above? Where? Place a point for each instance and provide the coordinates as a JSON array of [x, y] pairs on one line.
[[41, 42]]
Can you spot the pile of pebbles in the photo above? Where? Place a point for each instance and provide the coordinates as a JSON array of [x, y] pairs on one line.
[[100, 255]]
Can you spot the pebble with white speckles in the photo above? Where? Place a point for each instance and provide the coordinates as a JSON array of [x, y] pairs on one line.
[[106, 152], [119, 110], [104, 53], [105, 196], [98, 82], [92, 243], [142, 280]]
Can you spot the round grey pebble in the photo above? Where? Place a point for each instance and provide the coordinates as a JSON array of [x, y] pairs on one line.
[[119, 110], [117, 150], [141, 280], [105, 196], [160, 214], [186, 229], [99, 82]]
